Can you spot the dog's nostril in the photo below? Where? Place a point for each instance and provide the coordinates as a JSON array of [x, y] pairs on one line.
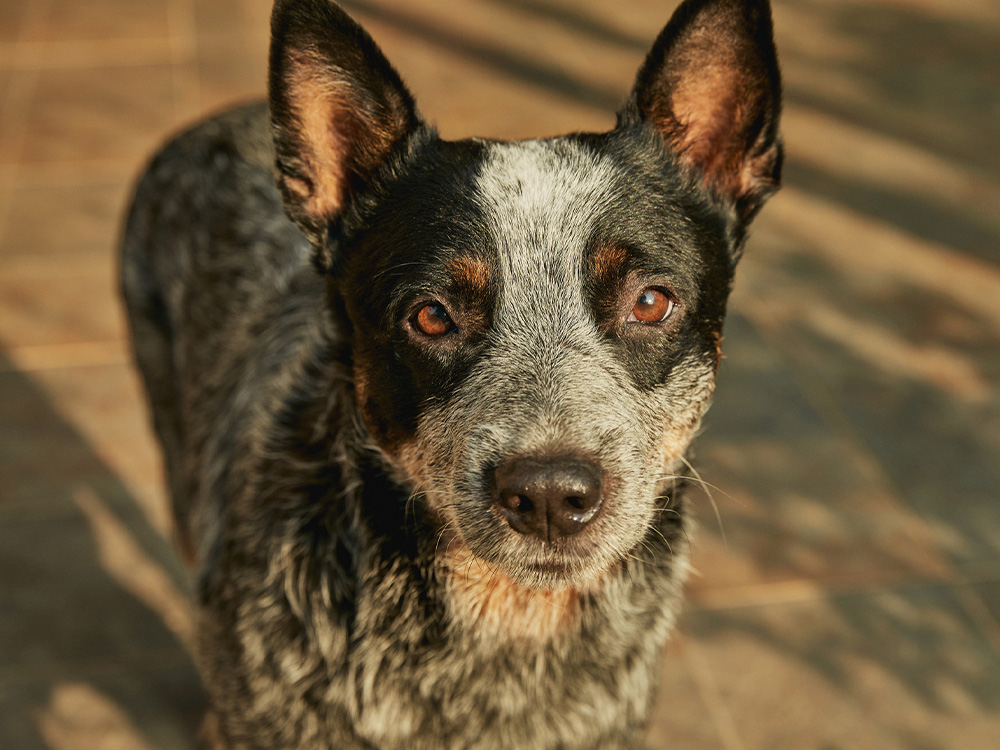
[[521, 504], [549, 499]]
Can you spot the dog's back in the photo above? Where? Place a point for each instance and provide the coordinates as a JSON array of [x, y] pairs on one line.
[[424, 405], [221, 297]]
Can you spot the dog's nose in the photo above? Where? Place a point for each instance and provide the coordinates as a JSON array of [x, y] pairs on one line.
[[549, 499]]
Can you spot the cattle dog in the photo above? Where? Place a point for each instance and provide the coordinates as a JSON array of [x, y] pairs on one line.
[[424, 404]]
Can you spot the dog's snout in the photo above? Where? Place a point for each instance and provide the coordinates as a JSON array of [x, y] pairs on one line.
[[549, 499]]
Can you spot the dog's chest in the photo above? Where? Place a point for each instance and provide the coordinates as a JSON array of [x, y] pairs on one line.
[[537, 696], [571, 670]]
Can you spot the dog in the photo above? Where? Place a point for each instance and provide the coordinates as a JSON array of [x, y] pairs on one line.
[[424, 405]]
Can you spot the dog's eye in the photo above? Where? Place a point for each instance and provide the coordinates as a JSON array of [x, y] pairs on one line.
[[653, 306], [433, 320]]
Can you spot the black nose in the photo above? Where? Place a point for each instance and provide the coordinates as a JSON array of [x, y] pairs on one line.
[[549, 499]]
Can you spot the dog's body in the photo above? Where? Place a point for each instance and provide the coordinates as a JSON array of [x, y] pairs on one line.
[[433, 493]]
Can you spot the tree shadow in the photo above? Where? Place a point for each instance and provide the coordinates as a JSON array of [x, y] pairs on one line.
[[505, 61], [83, 623], [922, 76], [948, 225], [580, 22]]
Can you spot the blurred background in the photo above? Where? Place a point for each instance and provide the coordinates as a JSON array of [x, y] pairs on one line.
[[848, 586]]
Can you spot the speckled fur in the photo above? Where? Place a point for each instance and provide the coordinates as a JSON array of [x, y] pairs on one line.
[[330, 470]]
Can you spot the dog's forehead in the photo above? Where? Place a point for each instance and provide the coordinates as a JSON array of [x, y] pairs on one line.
[[544, 191], [540, 201]]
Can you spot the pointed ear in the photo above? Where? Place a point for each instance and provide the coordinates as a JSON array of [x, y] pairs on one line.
[[338, 111], [711, 87]]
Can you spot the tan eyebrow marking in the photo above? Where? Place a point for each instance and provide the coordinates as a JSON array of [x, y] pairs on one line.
[[471, 273], [607, 260]]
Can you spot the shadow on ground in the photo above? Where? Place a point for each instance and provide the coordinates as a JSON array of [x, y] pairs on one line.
[[91, 617]]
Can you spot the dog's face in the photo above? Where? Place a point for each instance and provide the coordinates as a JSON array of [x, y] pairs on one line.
[[535, 325], [549, 301]]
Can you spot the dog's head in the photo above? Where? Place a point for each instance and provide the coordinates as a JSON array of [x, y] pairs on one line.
[[535, 326]]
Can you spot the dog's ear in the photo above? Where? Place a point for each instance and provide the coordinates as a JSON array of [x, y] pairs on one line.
[[338, 111], [711, 87]]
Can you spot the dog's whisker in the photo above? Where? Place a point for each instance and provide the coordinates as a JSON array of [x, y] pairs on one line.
[[711, 498], [698, 480], [664, 539]]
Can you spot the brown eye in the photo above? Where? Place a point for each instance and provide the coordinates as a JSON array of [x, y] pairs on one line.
[[433, 320], [653, 306]]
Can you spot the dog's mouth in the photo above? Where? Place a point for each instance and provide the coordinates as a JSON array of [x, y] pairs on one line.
[[535, 563], [548, 568], [558, 574], [525, 561]]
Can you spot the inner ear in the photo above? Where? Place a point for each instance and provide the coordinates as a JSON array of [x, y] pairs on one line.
[[315, 172], [338, 110], [711, 87]]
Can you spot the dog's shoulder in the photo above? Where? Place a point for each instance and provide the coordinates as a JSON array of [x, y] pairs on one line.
[[218, 176], [240, 133]]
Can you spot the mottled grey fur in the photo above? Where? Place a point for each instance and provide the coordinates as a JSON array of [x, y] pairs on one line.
[[356, 591]]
